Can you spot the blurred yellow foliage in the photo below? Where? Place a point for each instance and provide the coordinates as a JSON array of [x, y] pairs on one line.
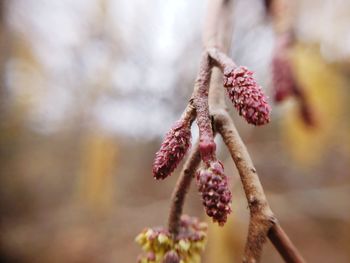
[[323, 87], [28, 80], [98, 161], [225, 244]]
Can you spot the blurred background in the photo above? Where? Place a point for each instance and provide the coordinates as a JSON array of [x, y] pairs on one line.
[[88, 88]]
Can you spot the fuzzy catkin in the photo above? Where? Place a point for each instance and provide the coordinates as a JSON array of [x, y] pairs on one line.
[[247, 96], [216, 196], [173, 149]]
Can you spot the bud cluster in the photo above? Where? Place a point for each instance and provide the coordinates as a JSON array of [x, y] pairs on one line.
[[160, 246], [216, 195], [173, 149], [247, 96]]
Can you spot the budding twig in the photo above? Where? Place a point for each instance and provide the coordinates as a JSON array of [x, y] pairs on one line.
[[200, 100], [262, 221], [181, 188]]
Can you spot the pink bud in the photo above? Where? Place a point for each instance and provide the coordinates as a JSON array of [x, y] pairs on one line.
[[216, 195], [173, 149], [207, 148], [171, 257], [247, 96]]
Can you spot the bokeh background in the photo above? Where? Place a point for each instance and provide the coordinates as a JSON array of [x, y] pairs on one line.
[[88, 89]]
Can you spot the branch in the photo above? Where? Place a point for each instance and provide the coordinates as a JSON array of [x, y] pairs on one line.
[[221, 60], [261, 216], [211, 36], [262, 221], [283, 244], [197, 106], [200, 100], [181, 189]]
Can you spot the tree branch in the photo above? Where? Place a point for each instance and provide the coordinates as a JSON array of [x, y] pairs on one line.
[[261, 216], [262, 221], [284, 245], [211, 37], [181, 188]]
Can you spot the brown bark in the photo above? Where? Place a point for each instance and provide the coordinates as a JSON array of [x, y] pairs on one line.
[[284, 245]]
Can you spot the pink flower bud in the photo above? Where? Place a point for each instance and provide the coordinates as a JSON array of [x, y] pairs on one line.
[[171, 257], [174, 147], [207, 148], [247, 96], [191, 229], [216, 195]]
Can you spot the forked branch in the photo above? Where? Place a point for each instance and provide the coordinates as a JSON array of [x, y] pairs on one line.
[[262, 224]]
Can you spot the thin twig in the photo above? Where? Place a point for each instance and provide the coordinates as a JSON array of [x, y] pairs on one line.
[[221, 60], [284, 246], [210, 37], [200, 101], [194, 108], [181, 188]]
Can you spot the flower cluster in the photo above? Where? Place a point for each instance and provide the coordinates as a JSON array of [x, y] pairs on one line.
[[173, 149], [247, 96], [160, 246], [216, 196]]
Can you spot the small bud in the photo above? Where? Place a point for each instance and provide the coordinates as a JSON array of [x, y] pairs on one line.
[[184, 245], [171, 257], [173, 149], [162, 238], [216, 196], [247, 96], [207, 148]]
